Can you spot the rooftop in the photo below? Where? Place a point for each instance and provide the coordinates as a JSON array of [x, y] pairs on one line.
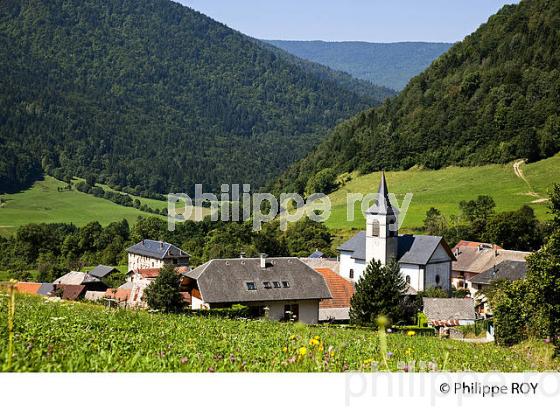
[[157, 249], [243, 280], [508, 269], [440, 309]]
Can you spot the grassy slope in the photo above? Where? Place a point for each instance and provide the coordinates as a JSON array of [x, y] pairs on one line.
[[82, 337], [443, 189], [43, 203]]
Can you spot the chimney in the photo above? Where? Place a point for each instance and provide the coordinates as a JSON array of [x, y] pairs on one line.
[[160, 244], [143, 242], [263, 260]]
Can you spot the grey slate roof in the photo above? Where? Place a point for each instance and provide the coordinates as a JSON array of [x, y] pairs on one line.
[[45, 289], [156, 249], [508, 269], [382, 205], [76, 278], [449, 309], [100, 271], [317, 254], [225, 280], [414, 249]]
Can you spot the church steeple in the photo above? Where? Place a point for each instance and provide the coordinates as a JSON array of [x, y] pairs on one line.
[[381, 227], [382, 205]]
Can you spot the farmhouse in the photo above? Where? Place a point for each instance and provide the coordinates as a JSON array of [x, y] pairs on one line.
[[475, 258], [280, 288], [425, 261], [137, 282], [150, 254]]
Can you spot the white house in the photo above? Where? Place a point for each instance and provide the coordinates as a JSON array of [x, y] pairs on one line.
[[425, 261], [150, 254]]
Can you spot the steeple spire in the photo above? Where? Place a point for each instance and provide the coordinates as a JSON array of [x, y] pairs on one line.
[[382, 205]]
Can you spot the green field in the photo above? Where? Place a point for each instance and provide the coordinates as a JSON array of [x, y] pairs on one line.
[[445, 188], [70, 336], [44, 203]]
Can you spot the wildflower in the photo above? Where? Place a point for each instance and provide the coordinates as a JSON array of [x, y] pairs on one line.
[[389, 355], [313, 342], [316, 338], [409, 351], [411, 333], [292, 337], [332, 353], [302, 351], [184, 360], [284, 349], [367, 362]]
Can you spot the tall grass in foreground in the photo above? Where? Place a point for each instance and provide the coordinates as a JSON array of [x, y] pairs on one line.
[[78, 337]]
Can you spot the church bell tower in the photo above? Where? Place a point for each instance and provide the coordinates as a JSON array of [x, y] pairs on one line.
[[381, 227]]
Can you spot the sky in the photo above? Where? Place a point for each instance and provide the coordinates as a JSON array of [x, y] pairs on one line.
[[352, 20]]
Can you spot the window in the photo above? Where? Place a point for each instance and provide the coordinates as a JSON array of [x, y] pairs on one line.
[[291, 313], [437, 279], [175, 261], [276, 285], [251, 286], [351, 274], [285, 284], [375, 228], [267, 285], [407, 279]]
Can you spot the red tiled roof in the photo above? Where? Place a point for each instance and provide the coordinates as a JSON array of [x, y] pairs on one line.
[[472, 244], [341, 290], [29, 288], [121, 295], [149, 273]]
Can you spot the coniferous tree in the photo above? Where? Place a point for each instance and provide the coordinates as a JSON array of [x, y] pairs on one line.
[[379, 292], [163, 294]]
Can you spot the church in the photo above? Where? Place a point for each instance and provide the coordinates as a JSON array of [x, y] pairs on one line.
[[425, 260]]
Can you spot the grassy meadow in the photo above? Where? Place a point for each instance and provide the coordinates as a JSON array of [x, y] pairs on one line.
[[445, 188], [44, 203], [76, 337]]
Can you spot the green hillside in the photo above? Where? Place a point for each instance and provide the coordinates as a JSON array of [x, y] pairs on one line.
[[445, 188], [388, 64], [151, 95], [492, 98], [44, 203]]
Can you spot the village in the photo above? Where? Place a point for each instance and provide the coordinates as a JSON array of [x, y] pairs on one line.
[[314, 289]]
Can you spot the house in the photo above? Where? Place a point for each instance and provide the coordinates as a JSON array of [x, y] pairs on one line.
[[336, 309], [137, 282], [80, 278], [425, 261], [449, 312], [474, 258], [149, 254], [280, 288], [507, 270]]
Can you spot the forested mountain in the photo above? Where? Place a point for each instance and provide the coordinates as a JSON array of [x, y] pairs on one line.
[[152, 95], [388, 64], [491, 98]]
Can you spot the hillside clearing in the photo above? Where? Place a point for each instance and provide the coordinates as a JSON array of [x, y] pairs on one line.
[[44, 203], [445, 188], [69, 336]]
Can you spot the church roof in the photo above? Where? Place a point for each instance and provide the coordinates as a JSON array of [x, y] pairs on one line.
[[382, 205], [413, 249]]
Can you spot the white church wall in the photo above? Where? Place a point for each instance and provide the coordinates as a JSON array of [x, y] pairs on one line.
[[416, 274], [348, 263]]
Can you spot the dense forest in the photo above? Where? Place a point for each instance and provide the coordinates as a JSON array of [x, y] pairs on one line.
[[151, 95], [373, 62], [491, 98]]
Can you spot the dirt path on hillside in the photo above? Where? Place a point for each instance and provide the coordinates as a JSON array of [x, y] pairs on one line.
[[519, 173]]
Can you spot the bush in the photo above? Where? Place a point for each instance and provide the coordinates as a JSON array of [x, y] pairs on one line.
[[234, 312]]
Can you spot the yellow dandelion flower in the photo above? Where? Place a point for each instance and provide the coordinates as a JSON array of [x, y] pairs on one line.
[[411, 333], [302, 351], [409, 351], [313, 342], [332, 353], [316, 337], [284, 349], [292, 337]]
